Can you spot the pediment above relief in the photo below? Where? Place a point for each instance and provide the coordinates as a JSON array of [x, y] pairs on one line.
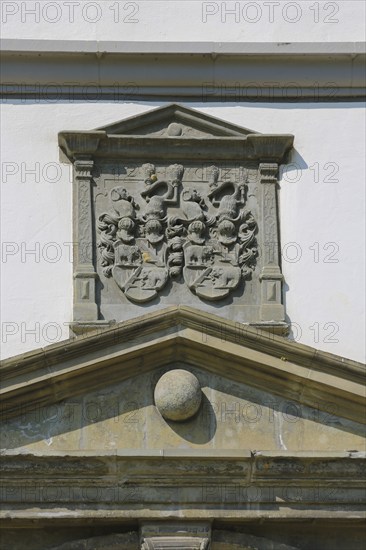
[[175, 121]]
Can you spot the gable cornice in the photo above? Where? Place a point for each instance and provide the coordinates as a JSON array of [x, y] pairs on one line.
[[173, 318], [180, 333]]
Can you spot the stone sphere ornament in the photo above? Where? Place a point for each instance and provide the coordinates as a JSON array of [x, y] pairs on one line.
[[178, 395], [175, 130]]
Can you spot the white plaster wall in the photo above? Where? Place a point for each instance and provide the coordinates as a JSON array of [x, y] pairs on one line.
[[188, 20], [322, 221]]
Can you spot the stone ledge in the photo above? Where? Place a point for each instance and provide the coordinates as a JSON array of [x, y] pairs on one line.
[[156, 47], [233, 454]]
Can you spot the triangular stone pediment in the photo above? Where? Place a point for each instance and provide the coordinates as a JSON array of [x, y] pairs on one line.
[[256, 390], [230, 416], [178, 132], [175, 121]]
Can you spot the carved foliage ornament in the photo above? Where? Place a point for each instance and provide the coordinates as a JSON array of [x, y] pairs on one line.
[[211, 243]]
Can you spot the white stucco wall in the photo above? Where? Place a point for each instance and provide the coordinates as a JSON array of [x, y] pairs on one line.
[[321, 204], [188, 20]]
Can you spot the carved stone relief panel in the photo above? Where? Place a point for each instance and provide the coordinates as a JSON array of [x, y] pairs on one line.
[[175, 207], [162, 227]]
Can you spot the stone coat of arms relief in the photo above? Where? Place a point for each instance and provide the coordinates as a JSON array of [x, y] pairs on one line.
[[175, 207], [210, 240]]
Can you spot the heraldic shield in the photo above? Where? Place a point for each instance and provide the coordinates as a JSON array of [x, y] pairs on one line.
[[208, 273], [139, 271]]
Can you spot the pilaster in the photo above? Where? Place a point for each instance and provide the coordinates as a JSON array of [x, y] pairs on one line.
[[85, 307], [271, 277]]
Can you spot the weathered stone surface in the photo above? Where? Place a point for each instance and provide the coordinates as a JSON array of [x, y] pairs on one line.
[[82, 537], [127, 541], [225, 540], [232, 415]]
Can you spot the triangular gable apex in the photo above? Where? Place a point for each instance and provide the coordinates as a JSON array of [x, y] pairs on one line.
[[162, 117], [243, 354]]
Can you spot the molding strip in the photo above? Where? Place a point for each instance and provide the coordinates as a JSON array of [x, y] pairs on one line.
[[47, 70], [69, 485], [155, 47]]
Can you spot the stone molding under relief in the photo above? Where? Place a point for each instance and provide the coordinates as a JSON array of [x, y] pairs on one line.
[[213, 245]]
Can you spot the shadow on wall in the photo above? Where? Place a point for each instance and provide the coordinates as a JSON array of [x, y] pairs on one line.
[[290, 172]]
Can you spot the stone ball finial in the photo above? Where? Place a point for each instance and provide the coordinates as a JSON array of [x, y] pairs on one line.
[[178, 395], [175, 130]]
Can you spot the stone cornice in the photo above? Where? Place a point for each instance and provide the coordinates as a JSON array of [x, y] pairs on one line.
[[225, 484], [183, 334], [183, 316], [272, 148], [196, 71]]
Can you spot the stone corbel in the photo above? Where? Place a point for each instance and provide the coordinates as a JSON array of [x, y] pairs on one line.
[[85, 307], [271, 277]]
